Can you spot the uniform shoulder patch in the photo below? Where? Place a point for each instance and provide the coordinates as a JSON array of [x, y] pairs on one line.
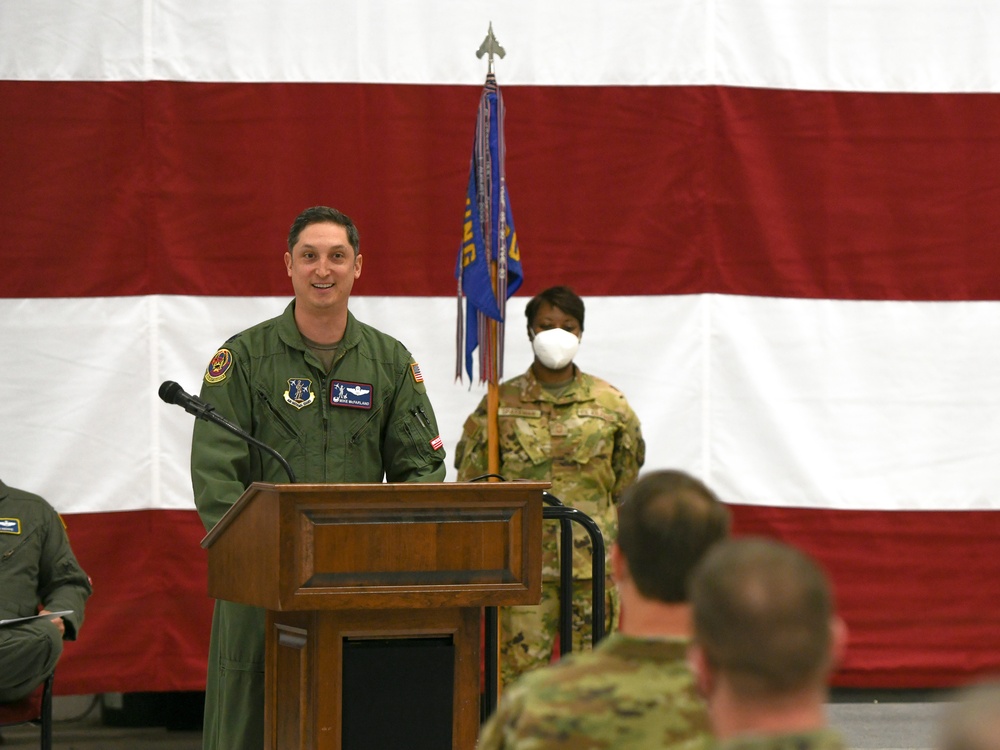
[[218, 368], [418, 377]]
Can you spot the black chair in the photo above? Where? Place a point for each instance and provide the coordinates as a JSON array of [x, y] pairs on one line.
[[35, 708]]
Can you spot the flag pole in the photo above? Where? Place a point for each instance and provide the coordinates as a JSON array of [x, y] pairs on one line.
[[490, 47]]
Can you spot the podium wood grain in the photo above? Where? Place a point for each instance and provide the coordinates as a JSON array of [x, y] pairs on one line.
[[331, 562]]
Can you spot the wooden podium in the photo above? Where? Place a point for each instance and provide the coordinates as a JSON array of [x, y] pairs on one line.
[[339, 563]]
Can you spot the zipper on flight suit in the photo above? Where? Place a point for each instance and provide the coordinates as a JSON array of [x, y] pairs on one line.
[[371, 418], [292, 432], [20, 543]]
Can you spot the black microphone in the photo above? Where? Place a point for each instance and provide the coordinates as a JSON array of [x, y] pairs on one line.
[[172, 393]]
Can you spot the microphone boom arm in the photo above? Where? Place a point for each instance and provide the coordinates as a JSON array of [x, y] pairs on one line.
[[211, 415], [172, 393]]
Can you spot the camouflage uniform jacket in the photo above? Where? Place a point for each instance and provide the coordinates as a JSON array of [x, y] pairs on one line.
[[820, 739], [627, 693], [586, 441]]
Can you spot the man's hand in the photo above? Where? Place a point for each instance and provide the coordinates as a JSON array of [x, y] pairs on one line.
[[57, 621]]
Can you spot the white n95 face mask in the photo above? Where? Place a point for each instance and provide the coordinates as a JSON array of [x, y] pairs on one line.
[[555, 348]]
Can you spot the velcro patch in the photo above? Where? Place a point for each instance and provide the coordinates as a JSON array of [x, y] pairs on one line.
[[219, 366], [437, 443], [513, 411], [607, 416], [351, 395], [418, 377], [10, 525], [299, 393]]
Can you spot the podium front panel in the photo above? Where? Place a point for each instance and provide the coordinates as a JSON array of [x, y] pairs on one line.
[[303, 547], [412, 547]]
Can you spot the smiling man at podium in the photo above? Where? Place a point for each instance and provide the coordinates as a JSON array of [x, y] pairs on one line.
[[338, 399]]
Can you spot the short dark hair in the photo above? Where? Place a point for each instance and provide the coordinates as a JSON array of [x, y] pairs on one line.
[[558, 296], [318, 215], [666, 522], [762, 614]]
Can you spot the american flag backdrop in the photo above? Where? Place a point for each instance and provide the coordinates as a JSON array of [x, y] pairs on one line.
[[783, 217]]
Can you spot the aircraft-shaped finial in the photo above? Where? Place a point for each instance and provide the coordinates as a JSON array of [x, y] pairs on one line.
[[490, 46]]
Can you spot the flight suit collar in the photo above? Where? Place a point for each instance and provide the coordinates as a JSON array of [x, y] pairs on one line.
[[289, 333]]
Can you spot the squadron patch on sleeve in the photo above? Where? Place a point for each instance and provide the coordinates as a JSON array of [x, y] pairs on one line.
[[299, 393], [10, 525], [418, 377], [219, 366]]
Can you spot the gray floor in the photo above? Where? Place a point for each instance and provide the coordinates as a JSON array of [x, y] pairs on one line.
[[888, 721], [869, 721]]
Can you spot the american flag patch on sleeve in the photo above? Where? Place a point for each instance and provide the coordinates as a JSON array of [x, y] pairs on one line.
[[437, 443], [418, 376]]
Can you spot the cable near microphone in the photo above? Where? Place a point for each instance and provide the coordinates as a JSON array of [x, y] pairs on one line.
[[172, 393]]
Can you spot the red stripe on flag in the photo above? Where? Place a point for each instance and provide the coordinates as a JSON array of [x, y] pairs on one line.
[[918, 590], [186, 188], [147, 625]]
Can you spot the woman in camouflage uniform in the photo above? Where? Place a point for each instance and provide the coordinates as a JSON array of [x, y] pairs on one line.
[[578, 432]]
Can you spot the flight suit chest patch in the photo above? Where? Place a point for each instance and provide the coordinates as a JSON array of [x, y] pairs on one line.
[[299, 393], [351, 395], [10, 525]]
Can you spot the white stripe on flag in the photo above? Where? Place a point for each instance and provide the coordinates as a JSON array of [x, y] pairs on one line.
[[806, 403], [916, 45]]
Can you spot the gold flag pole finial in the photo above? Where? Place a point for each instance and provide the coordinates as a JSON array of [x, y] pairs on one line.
[[490, 46]]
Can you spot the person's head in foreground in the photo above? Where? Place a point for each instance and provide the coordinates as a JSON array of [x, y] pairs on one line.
[[766, 637], [667, 520], [973, 721]]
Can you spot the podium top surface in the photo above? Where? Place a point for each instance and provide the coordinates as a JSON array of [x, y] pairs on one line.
[[389, 492]]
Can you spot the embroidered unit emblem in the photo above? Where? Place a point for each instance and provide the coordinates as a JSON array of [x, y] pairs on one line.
[[415, 371], [10, 525], [351, 395], [219, 366], [299, 393]]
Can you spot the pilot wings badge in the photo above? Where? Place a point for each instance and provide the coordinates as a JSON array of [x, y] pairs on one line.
[[351, 395]]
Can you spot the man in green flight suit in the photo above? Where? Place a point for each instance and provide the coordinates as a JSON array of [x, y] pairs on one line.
[[39, 570], [635, 689], [338, 399], [766, 640], [558, 424]]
